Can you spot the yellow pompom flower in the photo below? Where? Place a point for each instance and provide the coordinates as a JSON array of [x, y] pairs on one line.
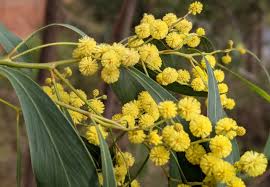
[[183, 76], [252, 163], [127, 121], [193, 40], [195, 8], [210, 59], [96, 106], [48, 90], [154, 63], [64, 97], [159, 155], [200, 31], [230, 104], [177, 139], [189, 107], [167, 109], [208, 162], [120, 173], [148, 18], [147, 52], [242, 50], [220, 146], [85, 47], [92, 135], [219, 75], [227, 59], [159, 29], [135, 42], [136, 136], [226, 127], [174, 40], [241, 131], [184, 26], [76, 116], [146, 121], [119, 49], [87, 66], [167, 76], [154, 138], [146, 101], [194, 153], [110, 75], [100, 49], [223, 88], [142, 30], [95, 92], [200, 126], [124, 158], [130, 57], [223, 171], [169, 19], [110, 59], [197, 84], [131, 108], [198, 72], [75, 100], [135, 183], [235, 182]]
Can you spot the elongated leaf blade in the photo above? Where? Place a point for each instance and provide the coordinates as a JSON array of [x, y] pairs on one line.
[[267, 148], [106, 160], [59, 156]]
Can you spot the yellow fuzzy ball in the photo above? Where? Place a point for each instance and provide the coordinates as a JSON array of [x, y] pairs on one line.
[[200, 126]]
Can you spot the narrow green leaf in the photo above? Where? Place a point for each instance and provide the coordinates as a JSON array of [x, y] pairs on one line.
[[106, 160], [267, 148], [19, 151], [215, 111], [59, 156], [251, 85]]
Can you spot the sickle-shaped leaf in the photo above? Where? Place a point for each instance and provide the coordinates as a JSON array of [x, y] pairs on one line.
[[106, 160], [59, 156]]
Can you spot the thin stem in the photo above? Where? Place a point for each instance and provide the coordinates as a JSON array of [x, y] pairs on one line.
[[43, 46], [201, 141], [19, 153], [145, 70], [16, 108]]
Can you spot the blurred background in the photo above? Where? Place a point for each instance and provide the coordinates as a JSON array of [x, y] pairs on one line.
[[244, 21]]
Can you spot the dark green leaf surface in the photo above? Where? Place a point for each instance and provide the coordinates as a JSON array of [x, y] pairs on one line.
[[267, 148], [59, 156], [106, 160]]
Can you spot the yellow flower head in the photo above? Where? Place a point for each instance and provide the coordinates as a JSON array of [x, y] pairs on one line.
[[193, 40], [147, 52], [195, 8], [95, 92], [194, 153], [75, 100], [76, 116], [135, 42], [189, 107], [174, 40], [241, 131], [110, 59], [135, 183], [252, 163], [100, 49], [67, 71], [227, 127], [223, 171], [125, 158], [146, 121], [85, 47], [110, 75], [227, 59], [200, 126], [148, 18], [184, 26], [92, 135], [167, 76], [197, 84], [183, 185], [219, 75], [210, 59], [183, 76], [220, 146], [154, 138], [198, 72], [48, 90], [158, 29], [142, 30], [130, 57], [159, 155], [208, 162], [223, 88], [169, 19], [136, 136], [131, 108], [87, 66], [167, 109], [120, 173], [200, 31], [97, 106], [230, 104], [236, 182], [127, 121]]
